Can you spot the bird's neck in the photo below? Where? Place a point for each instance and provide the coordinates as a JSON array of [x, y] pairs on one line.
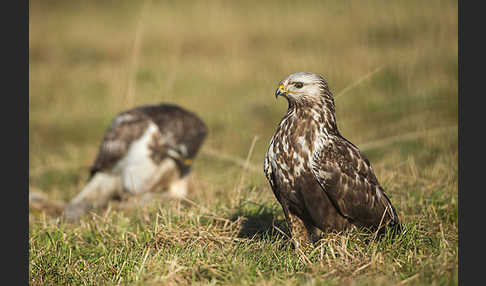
[[320, 113]]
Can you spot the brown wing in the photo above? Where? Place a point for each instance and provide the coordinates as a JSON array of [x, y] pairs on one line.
[[349, 181], [124, 129], [182, 131]]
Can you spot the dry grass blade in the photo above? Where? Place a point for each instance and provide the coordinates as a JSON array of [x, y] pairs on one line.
[[243, 173], [361, 268], [381, 221], [358, 82], [129, 100], [231, 158], [407, 136], [147, 251], [408, 279]]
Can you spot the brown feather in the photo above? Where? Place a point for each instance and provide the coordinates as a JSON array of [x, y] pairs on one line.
[[318, 176], [181, 131]]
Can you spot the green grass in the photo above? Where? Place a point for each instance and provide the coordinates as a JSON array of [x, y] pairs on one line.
[[391, 64]]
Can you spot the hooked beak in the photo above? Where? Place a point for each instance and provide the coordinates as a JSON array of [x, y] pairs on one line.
[[280, 91]]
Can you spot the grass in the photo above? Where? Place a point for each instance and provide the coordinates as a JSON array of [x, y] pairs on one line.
[[393, 69]]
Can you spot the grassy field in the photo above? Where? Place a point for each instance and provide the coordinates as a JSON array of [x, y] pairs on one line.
[[392, 66]]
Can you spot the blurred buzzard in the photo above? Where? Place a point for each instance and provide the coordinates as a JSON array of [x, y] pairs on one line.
[[147, 148], [322, 180]]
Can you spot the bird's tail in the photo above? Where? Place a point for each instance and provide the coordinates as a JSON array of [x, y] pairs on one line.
[[38, 201], [391, 214]]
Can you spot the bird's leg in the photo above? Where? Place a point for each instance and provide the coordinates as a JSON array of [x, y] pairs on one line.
[[315, 233], [96, 194], [301, 237]]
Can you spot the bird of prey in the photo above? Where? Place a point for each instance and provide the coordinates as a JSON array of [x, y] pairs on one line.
[[145, 149], [322, 181]]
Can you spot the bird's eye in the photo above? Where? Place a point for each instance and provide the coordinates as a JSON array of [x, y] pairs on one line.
[[298, 85]]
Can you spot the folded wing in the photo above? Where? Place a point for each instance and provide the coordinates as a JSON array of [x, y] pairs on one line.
[[349, 181]]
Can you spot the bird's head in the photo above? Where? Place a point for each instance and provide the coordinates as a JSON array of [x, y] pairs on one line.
[[309, 91], [304, 87]]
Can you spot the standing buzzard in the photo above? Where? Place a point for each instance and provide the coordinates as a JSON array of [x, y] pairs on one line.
[[147, 148], [322, 180]]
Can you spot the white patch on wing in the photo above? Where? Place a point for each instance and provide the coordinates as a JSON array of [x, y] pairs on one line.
[[113, 145], [123, 117], [173, 153], [320, 143], [300, 167], [303, 144]]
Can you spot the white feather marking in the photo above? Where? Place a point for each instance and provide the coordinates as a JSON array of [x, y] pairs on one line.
[[304, 147], [122, 118], [378, 192], [183, 150], [286, 146], [136, 167], [351, 153], [299, 168], [112, 146], [316, 115], [283, 177], [178, 189], [173, 153], [325, 175], [360, 162]]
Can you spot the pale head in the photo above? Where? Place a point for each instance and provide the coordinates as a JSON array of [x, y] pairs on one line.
[[303, 86]]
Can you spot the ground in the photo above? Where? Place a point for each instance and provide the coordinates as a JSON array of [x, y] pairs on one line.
[[392, 67]]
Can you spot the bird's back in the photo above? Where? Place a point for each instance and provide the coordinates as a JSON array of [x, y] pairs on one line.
[[185, 126]]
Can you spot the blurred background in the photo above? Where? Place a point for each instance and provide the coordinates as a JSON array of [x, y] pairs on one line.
[[392, 66]]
